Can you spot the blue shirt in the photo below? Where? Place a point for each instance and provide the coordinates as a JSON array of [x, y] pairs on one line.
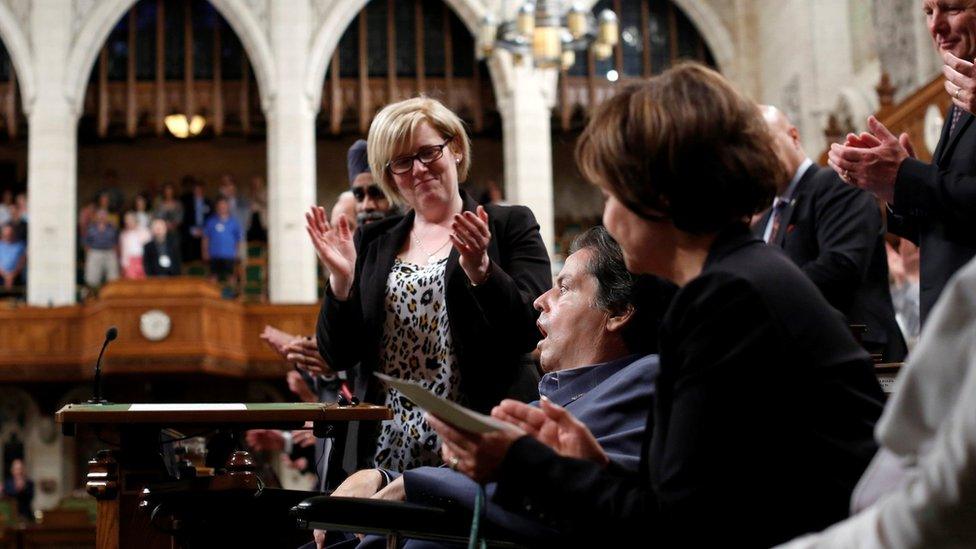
[[10, 254], [101, 239], [223, 235]]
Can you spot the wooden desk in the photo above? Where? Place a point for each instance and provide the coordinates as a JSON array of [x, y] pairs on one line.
[[116, 478]]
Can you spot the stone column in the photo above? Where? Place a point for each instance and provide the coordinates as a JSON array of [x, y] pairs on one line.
[[291, 158], [51, 161], [525, 105]]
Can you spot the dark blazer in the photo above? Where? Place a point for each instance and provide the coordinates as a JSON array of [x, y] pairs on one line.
[[492, 324], [935, 207], [834, 232], [763, 420], [611, 399], [150, 258]]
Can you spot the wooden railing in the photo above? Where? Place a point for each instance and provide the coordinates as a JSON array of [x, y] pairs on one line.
[[208, 335]]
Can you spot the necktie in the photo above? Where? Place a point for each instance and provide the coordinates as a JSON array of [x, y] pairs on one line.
[[956, 115], [776, 216]]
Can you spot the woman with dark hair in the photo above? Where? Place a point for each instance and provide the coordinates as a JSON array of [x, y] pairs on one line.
[[766, 404]]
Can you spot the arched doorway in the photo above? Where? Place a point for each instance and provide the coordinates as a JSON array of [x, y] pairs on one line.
[[176, 57]]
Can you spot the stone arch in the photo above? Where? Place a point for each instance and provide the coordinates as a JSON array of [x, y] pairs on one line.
[[103, 17], [714, 32], [325, 39], [15, 40]]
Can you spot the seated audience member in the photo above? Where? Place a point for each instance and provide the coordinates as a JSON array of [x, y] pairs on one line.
[[161, 255], [765, 403], [920, 490], [442, 295], [21, 488], [196, 209], [132, 242], [13, 256], [221, 236], [834, 232], [598, 323], [101, 251]]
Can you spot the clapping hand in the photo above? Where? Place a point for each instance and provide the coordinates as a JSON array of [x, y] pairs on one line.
[[304, 352], [471, 237], [334, 247], [475, 455], [960, 83], [871, 160]]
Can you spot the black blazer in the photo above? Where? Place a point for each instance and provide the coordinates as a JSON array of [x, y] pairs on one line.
[[935, 207], [150, 258], [492, 324], [762, 425], [834, 232]]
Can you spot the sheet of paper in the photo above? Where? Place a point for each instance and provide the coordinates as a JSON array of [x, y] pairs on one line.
[[450, 412], [209, 407]]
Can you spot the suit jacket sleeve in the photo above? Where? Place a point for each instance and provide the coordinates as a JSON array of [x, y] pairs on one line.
[[694, 474], [522, 275], [848, 225], [340, 328], [927, 190]]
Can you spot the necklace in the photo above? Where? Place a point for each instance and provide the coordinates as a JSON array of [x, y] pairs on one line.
[[430, 255]]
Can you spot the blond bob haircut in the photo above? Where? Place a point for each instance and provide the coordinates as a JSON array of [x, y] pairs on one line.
[[393, 129], [683, 146]]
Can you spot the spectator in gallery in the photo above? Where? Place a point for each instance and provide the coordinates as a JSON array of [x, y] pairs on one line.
[[258, 230], [140, 206], [21, 488], [240, 207], [222, 236], [101, 251], [196, 209], [169, 208], [161, 255], [6, 201], [105, 203], [131, 242], [13, 257], [18, 218]]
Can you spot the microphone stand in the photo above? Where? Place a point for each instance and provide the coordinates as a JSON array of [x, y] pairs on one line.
[[97, 392]]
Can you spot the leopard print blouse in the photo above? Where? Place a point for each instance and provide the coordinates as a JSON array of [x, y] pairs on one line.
[[416, 345]]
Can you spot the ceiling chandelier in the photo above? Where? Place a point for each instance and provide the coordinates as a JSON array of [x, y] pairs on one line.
[[550, 35], [181, 126]]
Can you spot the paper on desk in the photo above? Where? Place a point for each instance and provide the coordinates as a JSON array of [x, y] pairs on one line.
[[449, 412], [209, 407]]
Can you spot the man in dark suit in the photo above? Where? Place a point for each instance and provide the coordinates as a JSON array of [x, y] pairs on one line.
[[161, 255], [933, 205], [834, 232], [196, 209]]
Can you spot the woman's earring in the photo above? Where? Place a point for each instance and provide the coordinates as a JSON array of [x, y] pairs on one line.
[[457, 160]]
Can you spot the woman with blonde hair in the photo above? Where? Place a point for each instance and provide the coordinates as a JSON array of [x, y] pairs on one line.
[[441, 295]]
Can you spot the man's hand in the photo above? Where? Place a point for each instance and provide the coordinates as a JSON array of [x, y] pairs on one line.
[[872, 168], [304, 352], [361, 484], [265, 440], [960, 81], [477, 456], [553, 426], [297, 385], [303, 438], [277, 339]]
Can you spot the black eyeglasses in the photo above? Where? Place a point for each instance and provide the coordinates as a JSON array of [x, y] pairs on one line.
[[373, 191], [403, 164]]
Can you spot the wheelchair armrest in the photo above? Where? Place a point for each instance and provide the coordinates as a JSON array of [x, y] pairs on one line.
[[373, 516]]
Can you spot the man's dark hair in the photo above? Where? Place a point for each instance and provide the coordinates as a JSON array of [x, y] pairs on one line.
[[618, 289]]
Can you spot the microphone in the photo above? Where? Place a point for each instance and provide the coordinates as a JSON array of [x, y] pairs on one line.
[[110, 335]]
